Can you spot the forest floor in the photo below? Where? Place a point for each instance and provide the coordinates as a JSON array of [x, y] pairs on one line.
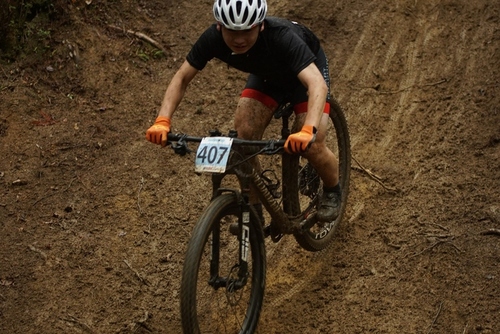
[[94, 220]]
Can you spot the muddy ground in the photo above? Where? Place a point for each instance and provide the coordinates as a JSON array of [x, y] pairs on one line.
[[94, 220]]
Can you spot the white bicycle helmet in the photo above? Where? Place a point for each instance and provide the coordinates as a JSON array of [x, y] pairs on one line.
[[240, 14]]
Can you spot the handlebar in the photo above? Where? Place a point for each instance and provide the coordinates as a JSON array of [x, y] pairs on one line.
[[179, 142], [176, 137]]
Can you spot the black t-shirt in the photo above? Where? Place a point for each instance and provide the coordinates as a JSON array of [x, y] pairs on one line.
[[282, 50]]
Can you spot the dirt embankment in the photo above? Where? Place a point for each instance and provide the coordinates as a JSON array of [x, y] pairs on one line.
[[94, 220]]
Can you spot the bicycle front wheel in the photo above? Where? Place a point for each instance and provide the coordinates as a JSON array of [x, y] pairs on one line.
[[302, 185], [220, 293]]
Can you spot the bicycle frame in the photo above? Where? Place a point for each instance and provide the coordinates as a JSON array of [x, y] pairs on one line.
[[282, 222]]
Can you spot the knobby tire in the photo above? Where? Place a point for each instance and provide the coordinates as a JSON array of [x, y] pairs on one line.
[[205, 309], [320, 237]]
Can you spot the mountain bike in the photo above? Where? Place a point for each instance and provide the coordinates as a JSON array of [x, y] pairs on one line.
[[224, 272]]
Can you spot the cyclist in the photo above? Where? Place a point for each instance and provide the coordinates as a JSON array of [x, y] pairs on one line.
[[285, 61]]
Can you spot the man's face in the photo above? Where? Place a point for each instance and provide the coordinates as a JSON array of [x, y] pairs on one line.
[[240, 41]]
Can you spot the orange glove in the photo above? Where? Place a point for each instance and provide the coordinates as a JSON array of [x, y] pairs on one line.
[[299, 142], [157, 133]]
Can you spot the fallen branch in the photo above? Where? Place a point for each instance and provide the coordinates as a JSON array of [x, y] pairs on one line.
[[389, 92], [46, 120], [5, 73], [65, 148], [142, 323], [140, 35], [74, 320], [141, 185], [36, 250], [55, 192], [439, 242], [428, 248], [136, 273], [441, 227], [438, 236], [435, 318], [491, 231], [372, 175], [84, 185]]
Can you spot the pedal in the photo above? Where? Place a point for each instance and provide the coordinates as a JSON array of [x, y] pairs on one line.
[[268, 231], [276, 237]]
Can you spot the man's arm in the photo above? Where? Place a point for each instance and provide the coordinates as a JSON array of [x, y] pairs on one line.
[[317, 91], [158, 132], [176, 89]]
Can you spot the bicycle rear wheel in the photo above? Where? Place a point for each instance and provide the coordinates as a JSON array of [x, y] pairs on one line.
[[302, 185], [214, 298]]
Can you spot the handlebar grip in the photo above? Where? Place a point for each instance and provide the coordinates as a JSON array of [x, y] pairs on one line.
[[173, 136], [281, 142], [176, 137]]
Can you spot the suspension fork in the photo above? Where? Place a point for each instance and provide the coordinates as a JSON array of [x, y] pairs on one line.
[[230, 282], [244, 244], [244, 225]]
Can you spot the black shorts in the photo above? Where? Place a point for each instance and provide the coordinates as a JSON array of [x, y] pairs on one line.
[[272, 94]]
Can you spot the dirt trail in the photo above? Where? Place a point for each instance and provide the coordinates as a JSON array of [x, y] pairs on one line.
[[94, 220]]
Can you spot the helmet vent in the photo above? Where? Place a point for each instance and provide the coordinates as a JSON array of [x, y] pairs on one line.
[[224, 19], [253, 17]]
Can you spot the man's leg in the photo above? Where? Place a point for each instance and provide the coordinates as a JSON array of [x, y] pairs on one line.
[[250, 120], [326, 164]]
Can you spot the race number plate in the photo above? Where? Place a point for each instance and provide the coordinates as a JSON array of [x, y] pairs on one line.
[[212, 154]]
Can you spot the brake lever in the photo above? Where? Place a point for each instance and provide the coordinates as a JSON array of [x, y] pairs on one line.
[[272, 149], [181, 147]]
